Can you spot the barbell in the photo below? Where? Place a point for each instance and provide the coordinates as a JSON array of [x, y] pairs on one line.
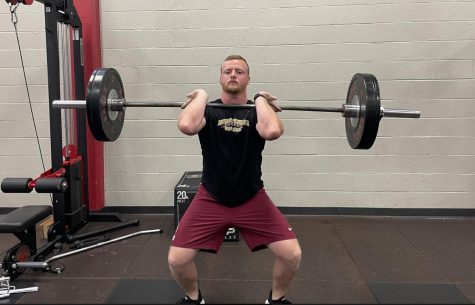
[[105, 107]]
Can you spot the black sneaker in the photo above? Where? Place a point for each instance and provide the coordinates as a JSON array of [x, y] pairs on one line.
[[187, 300], [281, 300]]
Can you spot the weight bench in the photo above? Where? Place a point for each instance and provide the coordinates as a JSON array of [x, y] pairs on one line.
[[22, 223]]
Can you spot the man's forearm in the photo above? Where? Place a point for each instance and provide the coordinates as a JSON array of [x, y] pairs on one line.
[[191, 119], [269, 125]]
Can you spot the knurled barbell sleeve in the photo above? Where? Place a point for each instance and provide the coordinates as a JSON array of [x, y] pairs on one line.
[[69, 104], [400, 113]]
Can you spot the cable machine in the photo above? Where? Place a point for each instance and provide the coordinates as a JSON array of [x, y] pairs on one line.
[[66, 180]]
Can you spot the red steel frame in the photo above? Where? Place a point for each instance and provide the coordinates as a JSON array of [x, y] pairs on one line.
[[89, 12]]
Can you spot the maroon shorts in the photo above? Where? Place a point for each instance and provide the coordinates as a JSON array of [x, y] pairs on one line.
[[206, 222]]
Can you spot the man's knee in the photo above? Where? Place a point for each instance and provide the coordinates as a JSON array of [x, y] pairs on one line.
[[180, 256], [295, 256], [288, 251]]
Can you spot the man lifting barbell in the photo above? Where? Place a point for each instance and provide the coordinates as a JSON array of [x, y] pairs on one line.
[[105, 107], [232, 192], [231, 186]]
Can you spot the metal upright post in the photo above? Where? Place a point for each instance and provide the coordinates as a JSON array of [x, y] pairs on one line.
[[52, 16]]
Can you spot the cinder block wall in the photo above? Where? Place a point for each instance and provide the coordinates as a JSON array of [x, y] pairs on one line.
[[304, 52], [19, 152]]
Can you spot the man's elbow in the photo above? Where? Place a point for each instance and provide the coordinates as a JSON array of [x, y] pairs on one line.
[[273, 133], [187, 128]]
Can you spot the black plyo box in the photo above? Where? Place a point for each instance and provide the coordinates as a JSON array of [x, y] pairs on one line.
[[185, 191]]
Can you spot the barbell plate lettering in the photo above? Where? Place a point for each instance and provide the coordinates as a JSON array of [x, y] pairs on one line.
[[361, 130], [105, 84]]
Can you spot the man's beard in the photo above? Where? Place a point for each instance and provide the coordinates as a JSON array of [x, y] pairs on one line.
[[231, 89]]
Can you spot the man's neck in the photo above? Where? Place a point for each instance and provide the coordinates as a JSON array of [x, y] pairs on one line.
[[238, 98]]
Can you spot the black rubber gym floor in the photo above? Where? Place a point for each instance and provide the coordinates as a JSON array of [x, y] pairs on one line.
[[346, 259]]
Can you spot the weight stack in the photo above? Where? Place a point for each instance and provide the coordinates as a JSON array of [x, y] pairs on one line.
[[185, 191]]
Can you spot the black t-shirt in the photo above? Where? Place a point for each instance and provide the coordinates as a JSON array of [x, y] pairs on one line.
[[232, 154]]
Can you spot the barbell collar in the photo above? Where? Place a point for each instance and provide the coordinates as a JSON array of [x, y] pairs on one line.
[[352, 111]]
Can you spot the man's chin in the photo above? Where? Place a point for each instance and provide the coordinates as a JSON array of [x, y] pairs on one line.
[[231, 90]]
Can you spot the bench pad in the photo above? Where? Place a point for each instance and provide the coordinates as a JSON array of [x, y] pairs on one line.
[[23, 218]]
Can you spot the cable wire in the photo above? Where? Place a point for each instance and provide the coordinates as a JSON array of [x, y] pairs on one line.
[[14, 19]]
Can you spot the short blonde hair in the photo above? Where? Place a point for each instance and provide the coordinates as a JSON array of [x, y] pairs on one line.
[[238, 57]]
